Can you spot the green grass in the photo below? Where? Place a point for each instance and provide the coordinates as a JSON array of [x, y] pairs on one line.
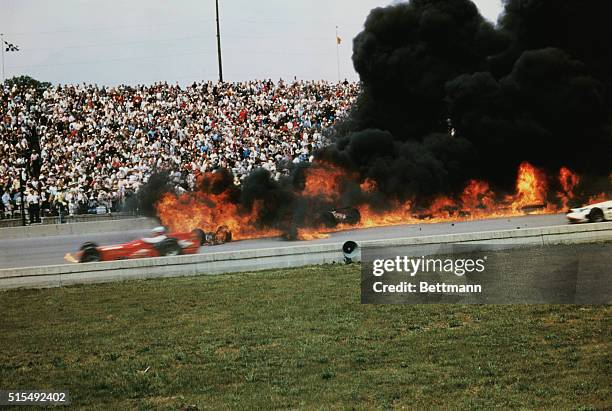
[[297, 339]]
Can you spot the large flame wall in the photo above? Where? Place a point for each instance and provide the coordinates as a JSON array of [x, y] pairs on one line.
[[324, 185]]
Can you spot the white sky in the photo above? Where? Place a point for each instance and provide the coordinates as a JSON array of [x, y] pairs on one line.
[[143, 41]]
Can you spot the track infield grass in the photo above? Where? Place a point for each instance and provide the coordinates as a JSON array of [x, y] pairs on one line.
[[299, 339]]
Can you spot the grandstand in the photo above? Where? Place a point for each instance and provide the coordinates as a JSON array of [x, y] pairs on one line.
[[87, 148]]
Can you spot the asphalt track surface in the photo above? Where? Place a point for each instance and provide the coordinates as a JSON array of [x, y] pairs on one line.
[[41, 251]]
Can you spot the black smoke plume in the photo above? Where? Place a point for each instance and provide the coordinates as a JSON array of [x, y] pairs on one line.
[[535, 88]]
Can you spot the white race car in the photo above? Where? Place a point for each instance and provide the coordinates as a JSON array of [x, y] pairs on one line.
[[593, 213]]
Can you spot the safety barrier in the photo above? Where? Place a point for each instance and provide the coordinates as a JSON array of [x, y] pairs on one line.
[[69, 219], [46, 230]]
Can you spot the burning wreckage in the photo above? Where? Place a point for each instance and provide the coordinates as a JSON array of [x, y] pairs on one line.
[[338, 216], [221, 236], [306, 211]]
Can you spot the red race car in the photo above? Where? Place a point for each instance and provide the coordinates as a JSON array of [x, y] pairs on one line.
[[159, 245]]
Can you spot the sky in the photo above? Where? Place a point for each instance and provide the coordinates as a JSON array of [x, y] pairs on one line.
[[114, 42]]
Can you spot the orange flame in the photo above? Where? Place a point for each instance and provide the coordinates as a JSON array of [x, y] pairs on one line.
[[530, 187], [598, 198], [477, 195], [368, 185], [568, 180], [304, 234], [324, 179], [208, 209], [402, 213]]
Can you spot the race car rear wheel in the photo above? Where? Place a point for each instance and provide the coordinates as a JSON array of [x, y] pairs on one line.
[[596, 215], [223, 235], [169, 247], [90, 253]]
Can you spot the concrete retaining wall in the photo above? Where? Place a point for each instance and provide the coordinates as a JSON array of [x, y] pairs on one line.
[[80, 218], [47, 230], [290, 256]]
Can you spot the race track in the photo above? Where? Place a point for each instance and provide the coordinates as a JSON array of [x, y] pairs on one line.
[[40, 251]]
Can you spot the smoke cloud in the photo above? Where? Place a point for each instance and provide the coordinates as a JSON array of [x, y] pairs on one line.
[[535, 88], [448, 97]]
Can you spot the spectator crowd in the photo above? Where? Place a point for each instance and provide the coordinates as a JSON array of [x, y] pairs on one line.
[[84, 148]]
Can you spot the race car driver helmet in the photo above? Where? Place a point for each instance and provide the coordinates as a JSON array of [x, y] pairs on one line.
[[157, 231]]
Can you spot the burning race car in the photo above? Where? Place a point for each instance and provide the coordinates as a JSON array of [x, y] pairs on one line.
[[221, 236], [159, 245], [328, 219], [336, 216], [593, 213]]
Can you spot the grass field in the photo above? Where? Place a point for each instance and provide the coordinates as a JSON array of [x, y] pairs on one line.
[[297, 339]]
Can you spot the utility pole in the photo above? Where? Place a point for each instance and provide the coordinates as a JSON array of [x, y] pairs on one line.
[[219, 43]]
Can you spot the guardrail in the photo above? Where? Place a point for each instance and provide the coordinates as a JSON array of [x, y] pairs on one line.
[[47, 230], [270, 258]]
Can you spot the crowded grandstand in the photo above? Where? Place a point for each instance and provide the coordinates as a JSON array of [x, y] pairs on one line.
[[87, 148]]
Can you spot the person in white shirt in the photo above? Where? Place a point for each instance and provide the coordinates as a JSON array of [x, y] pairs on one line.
[[33, 201], [6, 200]]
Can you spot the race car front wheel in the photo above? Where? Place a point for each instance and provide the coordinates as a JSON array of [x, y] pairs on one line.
[[90, 253], [169, 247], [596, 215]]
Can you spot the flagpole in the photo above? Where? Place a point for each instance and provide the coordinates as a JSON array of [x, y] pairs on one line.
[[338, 53]]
